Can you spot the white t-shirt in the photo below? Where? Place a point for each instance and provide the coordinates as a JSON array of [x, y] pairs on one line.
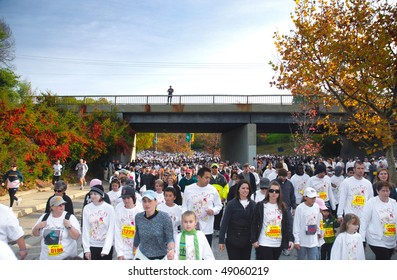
[[270, 236], [199, 200], [98, 227], [124, 230], [175, 214], [354, 194], [323, 189], [205, 251], [258, 196], [9, 225], [57, 169], [56, 236], [307, 225], [299, 182], [115, 197]]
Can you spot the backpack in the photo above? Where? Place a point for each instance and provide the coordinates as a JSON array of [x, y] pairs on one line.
[[67, 216]]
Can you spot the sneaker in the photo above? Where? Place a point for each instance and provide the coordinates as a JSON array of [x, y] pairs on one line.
[[286, 252], [81, 188], [19, 201]]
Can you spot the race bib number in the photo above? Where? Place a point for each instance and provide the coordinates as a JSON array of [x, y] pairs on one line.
[[273, 231], [55, 250], [323, 195], [359, 200], [329, 232], [389, 230], [128, 231], [311, 229]]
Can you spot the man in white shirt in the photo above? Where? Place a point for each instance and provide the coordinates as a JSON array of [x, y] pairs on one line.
[[203, 199], [355, 191]]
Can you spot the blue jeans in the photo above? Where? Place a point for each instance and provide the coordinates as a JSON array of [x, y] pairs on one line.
[[312, 253]]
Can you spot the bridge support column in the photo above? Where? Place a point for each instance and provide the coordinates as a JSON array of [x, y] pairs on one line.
[[130, 157], [239, 144]]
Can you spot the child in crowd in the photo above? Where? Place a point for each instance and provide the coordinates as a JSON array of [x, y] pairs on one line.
[[159, 188], [329, 226], [306, 227], [115, 193], [173, 210], [348, 244], [191, 244]]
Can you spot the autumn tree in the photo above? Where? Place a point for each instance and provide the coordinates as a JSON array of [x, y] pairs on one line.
[[304, 142], [144, 141], [343, 54], [7, 44], [173, 143]]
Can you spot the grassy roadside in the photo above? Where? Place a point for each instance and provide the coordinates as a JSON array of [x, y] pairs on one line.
[[273, 149]]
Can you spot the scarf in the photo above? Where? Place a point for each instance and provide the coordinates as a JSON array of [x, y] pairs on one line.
[[182, 245]]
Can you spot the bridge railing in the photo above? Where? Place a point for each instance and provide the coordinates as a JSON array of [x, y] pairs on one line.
[[176, 99]]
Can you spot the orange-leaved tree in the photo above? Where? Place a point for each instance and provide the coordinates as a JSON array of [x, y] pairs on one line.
[[343, 53]]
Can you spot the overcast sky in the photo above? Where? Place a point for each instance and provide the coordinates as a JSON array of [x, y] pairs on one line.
[[141, 47]]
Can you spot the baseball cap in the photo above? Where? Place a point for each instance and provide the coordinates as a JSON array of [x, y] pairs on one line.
[[321, 203], [57, 200], [214, 165], [264, 183], [310, 192], [127, 191], [124, 171], [149, 194]]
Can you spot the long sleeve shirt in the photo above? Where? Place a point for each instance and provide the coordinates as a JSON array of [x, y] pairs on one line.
[[354, 194], [379, 222], [153, 234], [307, 225], [98, 227], [348, 247]]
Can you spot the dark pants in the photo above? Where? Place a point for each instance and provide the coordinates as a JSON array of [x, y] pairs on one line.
[[235, 253], [209, 238], [268, 253], [55, 179], [217, 220], [382, 253], [96, 254], [326, 251], [11, 193], [169, 99]]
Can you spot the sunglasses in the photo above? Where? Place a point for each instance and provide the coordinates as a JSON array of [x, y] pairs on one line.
[[274, 191], [58, 190]]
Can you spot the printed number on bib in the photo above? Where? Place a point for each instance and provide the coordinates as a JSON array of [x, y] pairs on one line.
[[128, 231]]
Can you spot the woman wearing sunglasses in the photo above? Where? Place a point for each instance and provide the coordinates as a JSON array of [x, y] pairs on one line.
[[272, 225], [60, 188]]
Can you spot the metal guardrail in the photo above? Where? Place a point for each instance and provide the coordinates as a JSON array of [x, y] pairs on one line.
[[176, 99]]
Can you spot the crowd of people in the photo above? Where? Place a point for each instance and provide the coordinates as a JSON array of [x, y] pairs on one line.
[[167, 206]]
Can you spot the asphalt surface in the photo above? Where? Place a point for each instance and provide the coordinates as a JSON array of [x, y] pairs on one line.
[[33, 205]]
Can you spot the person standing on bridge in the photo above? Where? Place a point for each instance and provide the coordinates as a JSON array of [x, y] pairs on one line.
[[170, 92]]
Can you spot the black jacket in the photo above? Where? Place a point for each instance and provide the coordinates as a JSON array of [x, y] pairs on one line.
[[236, 217], [286, 225]]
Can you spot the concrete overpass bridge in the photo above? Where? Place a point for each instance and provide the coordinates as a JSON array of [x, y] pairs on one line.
[[237, 117]]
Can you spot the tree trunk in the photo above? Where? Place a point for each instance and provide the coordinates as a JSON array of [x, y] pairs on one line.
[[391, 164]]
